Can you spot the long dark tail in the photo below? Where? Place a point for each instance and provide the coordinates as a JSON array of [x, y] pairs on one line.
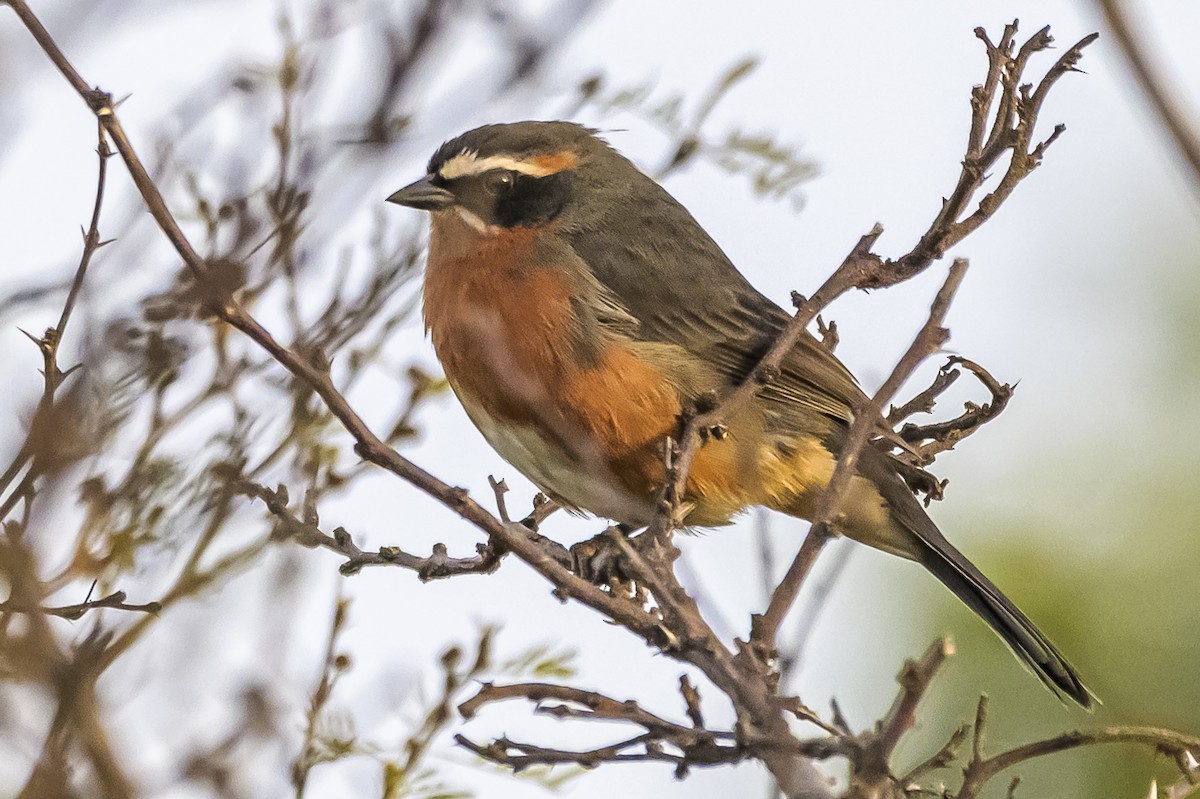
[[916, 536], [982, 596]]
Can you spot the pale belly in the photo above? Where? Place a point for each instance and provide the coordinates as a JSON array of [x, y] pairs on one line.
[[577, 477]]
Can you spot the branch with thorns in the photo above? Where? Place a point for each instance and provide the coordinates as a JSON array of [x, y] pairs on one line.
[[870, 752], [663, 740], [921, 444], [437, 565], [39, 445], [114, 601]]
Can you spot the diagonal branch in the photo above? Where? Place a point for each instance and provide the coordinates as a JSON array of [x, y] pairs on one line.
[[930, 338], [1133, 47]]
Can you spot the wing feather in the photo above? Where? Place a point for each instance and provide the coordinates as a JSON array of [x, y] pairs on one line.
[[683, 290]]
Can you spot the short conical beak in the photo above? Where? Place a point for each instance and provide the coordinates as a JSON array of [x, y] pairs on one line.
[[423, 195]]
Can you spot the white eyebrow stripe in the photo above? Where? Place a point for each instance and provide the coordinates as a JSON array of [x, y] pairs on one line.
[[468, 163]]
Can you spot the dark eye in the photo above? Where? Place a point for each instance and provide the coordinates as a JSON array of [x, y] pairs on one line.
[[499, 181]]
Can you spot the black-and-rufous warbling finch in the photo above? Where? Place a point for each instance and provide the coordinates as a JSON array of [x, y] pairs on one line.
[[577, 308]]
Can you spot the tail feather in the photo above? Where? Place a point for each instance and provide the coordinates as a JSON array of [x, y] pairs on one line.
[[917, 537], [979, 594]]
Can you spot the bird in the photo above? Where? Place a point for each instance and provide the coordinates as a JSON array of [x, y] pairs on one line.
[[577, 309]]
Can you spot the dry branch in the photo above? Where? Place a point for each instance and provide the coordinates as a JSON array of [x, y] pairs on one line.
[[307, 532], [981, 769], [114, 601], [930, 338]]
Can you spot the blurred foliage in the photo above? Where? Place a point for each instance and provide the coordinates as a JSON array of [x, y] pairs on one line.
[[776, 170]]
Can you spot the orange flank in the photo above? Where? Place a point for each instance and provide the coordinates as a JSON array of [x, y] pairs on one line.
[[501, 328]]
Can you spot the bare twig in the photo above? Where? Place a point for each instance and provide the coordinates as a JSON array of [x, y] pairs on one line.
[[1011, 132], [943, 758], [1163, 99], [942, 436], [691, 698], [982, 769], [115, 601], [438, 565], [684, 746], [580, 704], [924, 401]]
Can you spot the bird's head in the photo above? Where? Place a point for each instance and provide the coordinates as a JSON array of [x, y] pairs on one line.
[[522, 174]]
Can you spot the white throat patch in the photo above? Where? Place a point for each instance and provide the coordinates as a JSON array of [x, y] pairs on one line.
[[474, 222]]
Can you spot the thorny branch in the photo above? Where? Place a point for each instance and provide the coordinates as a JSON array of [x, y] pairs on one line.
[[115, 601], [68, 672], [870, 752], [682, 745], [39, 442], [872, 774], [307, 532], [923, 443], [942, 436], [1004, 116]]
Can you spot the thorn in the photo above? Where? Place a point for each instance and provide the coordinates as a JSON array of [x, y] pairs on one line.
[[1190, 761], [1153, 790]]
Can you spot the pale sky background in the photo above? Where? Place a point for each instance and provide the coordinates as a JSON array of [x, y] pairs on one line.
[[1061, 295]]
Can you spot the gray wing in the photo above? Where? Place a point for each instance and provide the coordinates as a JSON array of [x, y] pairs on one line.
[[684, 291]]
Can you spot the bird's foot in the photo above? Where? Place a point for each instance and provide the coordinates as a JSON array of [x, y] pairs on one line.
[[599, 559]]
